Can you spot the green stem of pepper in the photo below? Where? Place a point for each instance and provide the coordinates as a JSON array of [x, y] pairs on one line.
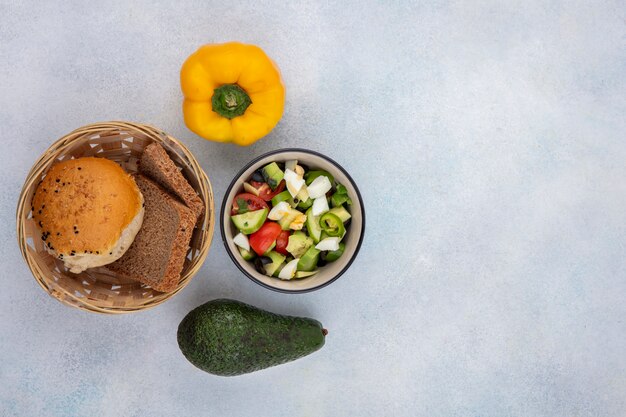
[[230, 101], [332, 225]]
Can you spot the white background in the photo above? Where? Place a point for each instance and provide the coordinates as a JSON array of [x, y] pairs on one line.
[[487, 138]]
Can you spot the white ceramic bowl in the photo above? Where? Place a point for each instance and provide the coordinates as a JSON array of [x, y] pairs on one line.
[[353, 238]]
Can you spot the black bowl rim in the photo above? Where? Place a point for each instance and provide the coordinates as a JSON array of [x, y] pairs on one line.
[[234, 181]]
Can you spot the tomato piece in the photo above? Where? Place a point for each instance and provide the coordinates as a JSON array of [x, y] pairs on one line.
[[265, 192], [262, 239], [245, 202], [282, 241]]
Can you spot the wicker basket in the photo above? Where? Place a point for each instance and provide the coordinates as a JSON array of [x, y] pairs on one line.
[[98, 289]]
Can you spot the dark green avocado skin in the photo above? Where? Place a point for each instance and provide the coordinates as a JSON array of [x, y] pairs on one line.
[[228, 337]]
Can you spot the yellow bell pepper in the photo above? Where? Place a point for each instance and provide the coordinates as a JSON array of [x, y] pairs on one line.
[[233, 93]]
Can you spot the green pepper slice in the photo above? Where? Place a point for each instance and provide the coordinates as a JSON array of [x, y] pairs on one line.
[[332, 225]]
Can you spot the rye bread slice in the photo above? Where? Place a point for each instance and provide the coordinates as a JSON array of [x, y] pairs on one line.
[[156, 164], [157, 254]]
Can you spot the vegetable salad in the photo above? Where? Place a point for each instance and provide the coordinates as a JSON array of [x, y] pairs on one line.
[[291, 220]]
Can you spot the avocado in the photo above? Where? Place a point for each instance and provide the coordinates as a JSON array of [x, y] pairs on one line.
[[277, 260], [341, 212], [308, 261], [298, 244], [227, 337], [273, 175], [250, 222]]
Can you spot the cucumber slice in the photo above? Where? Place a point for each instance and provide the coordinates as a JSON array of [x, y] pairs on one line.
[[246, 254], [313, 226], [251, 221], [284, 196]]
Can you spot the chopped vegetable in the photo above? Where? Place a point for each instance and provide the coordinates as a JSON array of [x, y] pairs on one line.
[[332, 225], [246, 202], [265, 191], [273, 175], [298, 244], [282, 241], [264, 238], [284, 196], [251, 221]]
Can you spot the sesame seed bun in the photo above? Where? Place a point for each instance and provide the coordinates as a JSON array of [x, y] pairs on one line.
[[84, 207]]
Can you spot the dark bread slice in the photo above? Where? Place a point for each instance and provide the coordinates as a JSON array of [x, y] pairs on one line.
[[157, 254], [156, 164]]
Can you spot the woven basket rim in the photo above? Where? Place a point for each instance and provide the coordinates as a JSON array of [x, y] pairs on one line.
[[54, 151]]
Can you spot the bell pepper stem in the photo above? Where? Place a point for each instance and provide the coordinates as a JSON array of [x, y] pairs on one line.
[[230, 101]]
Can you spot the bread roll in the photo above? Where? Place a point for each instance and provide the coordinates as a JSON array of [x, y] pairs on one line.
[[89, 211]]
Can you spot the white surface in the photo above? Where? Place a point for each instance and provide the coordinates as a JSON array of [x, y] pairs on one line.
[[487, 138]]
